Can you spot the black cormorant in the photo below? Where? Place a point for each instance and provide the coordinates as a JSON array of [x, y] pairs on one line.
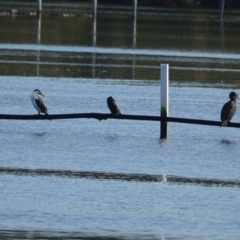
[[113, 106], [229, 109]]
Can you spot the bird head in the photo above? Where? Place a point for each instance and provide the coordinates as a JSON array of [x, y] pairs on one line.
[[38, 92], [233, 95]]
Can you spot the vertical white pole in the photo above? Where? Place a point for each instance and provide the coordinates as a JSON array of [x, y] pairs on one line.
[[39, 29], [38, 42], [94, 8], [134, 2], [39, 6], [164, 78], [221, 8], [94, 31], [134, 33]]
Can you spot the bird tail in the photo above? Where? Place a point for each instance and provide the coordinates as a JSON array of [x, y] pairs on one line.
[[224, 123]]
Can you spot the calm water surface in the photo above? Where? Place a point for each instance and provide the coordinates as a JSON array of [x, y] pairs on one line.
[[116, 178]]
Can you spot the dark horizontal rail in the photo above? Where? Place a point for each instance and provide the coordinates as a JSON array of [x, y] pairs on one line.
[[119, 176], [104, 116]]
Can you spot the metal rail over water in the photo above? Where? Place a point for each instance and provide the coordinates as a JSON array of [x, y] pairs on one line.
[[105, 116]]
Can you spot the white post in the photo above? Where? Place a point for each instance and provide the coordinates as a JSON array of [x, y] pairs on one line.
[[94, 8], [38, 42], [39, 29], [134, 30], [221, 8], [134, 8], [164, 78], [39, 10], [94, 31]]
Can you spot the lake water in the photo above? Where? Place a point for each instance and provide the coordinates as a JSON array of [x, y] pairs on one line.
[[85, 178]]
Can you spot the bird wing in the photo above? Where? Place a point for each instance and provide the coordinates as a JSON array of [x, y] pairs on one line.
[[228, 110], [112, 104], [117, 110], [41, 104]]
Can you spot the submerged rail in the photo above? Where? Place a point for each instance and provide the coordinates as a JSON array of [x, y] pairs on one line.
[[119, 176], [104, 116]]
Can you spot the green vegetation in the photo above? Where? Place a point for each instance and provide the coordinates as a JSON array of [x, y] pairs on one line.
[[175, 3], [181, 3], [229, 4]]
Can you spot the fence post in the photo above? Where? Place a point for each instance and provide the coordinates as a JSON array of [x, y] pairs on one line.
[[134, 3], [164, 78], [94, 9], [39, 10], [221, 8], [94, 29]]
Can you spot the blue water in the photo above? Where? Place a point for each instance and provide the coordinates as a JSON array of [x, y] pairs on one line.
[[108, 207]]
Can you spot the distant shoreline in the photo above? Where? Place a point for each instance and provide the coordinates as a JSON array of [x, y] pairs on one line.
[[158, 3]]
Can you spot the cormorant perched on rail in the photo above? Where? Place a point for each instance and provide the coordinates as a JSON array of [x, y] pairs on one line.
[[229, 109], [38, 103], [113, 106]]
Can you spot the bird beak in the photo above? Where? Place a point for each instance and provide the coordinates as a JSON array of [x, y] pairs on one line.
[[42, 94]]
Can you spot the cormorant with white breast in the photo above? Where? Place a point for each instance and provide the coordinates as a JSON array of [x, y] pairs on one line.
[[229, 109], [113, 106], [38, 103]]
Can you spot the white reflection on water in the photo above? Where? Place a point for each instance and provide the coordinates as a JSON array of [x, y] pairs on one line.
[[152, 52]]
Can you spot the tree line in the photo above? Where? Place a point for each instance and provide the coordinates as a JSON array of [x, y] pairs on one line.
[[179, 3], [229, 4]]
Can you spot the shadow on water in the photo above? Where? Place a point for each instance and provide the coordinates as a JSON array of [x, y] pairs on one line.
[[163, 141], [29, 234], [112, 138], [120, 176], [227, 142], [39, 134]]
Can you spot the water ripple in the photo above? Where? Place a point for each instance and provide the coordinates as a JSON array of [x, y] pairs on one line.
[[120, 176], [127, 51]]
